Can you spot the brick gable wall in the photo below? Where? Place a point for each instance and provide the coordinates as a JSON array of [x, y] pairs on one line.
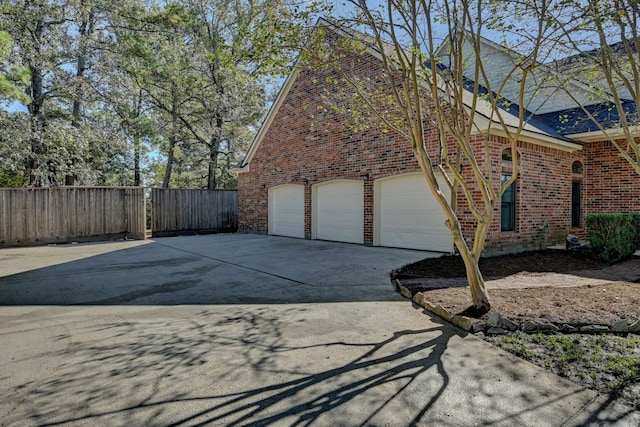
[[309, 142]]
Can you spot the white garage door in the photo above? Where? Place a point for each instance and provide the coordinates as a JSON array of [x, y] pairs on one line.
[[286, 210], [407, 215], [338, 211]]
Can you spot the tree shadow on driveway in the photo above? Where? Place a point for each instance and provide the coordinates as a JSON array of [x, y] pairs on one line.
[[247, 366], [280, 333], [235, 367]]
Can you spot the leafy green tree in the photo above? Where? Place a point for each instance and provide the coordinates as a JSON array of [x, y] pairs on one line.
[[113, 87], [37, 30], [234, 43], [57, 41], [13, 149], [201, 66], [156, 65], [12, 78]]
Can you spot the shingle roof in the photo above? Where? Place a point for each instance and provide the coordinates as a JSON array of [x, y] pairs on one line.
[[512, 108], [577, 120], [582, 118], [578, 59]]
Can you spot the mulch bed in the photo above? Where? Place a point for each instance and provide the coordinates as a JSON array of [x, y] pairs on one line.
[[598, 304], [548, 260]]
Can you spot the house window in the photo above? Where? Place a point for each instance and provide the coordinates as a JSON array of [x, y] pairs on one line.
[[506, 155], [575, 203], [576, 167], [508, 206], [576, 193]]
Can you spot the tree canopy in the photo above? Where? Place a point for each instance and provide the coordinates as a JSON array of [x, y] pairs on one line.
[[137, 92]]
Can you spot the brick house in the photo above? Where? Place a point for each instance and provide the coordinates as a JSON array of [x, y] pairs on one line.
[[307, 176]]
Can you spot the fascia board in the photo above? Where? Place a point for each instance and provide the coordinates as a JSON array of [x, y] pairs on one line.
[[483, 108], [546, 141], [484, 125], [239, 170], [602, 135], [485, 113]]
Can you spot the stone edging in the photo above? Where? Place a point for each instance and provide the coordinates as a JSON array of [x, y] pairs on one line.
[[498, 325]]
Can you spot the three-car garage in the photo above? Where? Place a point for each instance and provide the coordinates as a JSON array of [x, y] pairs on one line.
[[405, 212]]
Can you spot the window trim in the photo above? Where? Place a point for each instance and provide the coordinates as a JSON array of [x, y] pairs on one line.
[[576, 207], [510, 203]]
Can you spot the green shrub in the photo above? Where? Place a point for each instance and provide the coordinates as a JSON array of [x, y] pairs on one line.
[[613, 237], [636, 225]]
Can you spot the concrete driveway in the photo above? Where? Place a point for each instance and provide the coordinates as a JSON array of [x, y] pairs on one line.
[[251, 330], [214, 269]]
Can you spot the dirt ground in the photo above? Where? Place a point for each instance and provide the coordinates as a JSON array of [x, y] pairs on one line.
[[550, 285]]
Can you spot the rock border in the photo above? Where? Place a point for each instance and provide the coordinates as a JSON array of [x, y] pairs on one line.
[[496, 324]]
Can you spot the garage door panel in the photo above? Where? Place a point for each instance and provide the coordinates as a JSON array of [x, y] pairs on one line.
[[409, 216], [286, 211], [339, 211]]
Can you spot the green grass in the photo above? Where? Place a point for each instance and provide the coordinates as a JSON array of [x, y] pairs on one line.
[[607, 363], [516, 345]]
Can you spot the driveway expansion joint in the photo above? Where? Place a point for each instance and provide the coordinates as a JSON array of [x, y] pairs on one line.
[[235, 264]]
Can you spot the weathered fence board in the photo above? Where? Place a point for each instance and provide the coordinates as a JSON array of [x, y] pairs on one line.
[[31, 216], [178, 211]]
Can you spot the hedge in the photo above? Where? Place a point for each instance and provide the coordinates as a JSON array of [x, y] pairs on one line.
[[614, 237], [636, 226]]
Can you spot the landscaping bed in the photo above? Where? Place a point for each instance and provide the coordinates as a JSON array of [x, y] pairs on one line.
[[582, 299], [536, 297]]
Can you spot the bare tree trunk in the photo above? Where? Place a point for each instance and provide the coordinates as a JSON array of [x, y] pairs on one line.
[[479, 295], [136, 161], [85, 31], [137, 146], [36, 112], [173, 139], [213, 165], [35, 178], [470, 257], [214, 151], [166, 180]]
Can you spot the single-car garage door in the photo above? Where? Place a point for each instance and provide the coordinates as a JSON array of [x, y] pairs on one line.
[[286, 210], [338, 211], [407, 215]]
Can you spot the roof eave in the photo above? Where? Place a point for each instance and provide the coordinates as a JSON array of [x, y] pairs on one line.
[[240, 169], [529, 136], [604, 134]]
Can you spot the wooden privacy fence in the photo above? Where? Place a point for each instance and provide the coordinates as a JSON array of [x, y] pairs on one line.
[[180, 211], [31, 216]]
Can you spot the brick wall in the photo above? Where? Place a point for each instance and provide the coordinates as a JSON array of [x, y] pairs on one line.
[[611, 184], [543, 197], [308, 144]]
